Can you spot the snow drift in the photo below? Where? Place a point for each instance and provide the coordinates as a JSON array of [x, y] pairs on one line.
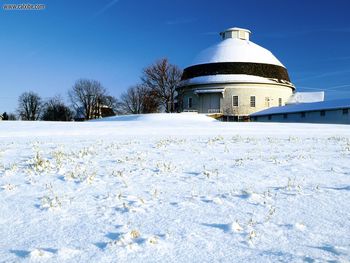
[[161, 117]]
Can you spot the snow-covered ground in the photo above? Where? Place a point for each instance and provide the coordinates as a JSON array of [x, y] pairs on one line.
[[174, 188]]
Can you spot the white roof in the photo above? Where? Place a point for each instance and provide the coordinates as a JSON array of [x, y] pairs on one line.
[[237, 29], [305, 97], [236, 50], [300, 107], [231, 78]]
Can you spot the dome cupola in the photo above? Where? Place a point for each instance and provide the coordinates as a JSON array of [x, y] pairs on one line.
[[235, 32]]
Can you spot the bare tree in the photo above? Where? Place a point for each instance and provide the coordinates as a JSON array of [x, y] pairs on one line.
[[12, 117], [55, 110], [150, 101], [131, 100], [88, 95], [163, 78], [29, 106], [139, 99]]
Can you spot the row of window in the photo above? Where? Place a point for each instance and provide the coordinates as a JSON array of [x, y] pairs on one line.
[[235, 101], [303, 114]]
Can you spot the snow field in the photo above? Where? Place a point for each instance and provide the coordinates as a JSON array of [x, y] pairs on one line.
[[154, 191]]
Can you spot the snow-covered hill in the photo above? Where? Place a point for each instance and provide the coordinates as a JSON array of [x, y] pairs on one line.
[[155, 117], [175, 188]]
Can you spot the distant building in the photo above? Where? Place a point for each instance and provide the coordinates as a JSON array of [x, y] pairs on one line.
[[336, 111], [101, 111], [234, 79]]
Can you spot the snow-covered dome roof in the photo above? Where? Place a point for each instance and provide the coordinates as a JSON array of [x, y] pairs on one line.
[[236, 55], [236, 47], [236, 50]]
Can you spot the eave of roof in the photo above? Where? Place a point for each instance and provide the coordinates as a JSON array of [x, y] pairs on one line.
[[233, 79], [304, 107]]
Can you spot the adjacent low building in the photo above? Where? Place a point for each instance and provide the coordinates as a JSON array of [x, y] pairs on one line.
[[234, 79], [332, 111]]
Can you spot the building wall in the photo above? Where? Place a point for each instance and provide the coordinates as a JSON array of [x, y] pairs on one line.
[[331, 116], [210, 102], [203, 102], [265, 96], [195, 101], [244, 92]]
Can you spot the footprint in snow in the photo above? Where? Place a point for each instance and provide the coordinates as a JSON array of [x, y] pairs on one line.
[[226, 228], [67, 253], [335, 250], [20, 253], [252, 197], [298, 226], [215, 200]]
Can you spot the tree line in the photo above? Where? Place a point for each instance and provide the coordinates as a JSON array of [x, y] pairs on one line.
[[156, 92]]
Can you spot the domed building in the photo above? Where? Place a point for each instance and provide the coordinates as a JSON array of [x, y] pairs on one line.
[[234, 79]]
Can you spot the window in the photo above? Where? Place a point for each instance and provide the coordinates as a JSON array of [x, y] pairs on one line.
[[303, 114], [234, 101], [322, 113], [190, 102], [280, 102], [267, 101], [252, 101], [345, 111], [269, 117], [242, 35], [285, 116]]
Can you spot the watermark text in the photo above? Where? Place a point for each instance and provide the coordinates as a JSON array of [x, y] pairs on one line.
[[14, 7]]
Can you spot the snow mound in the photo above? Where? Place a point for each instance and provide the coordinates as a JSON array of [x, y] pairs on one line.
[[160, 117]]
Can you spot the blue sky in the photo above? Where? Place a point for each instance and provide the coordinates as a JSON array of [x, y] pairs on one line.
[[112, 41]]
